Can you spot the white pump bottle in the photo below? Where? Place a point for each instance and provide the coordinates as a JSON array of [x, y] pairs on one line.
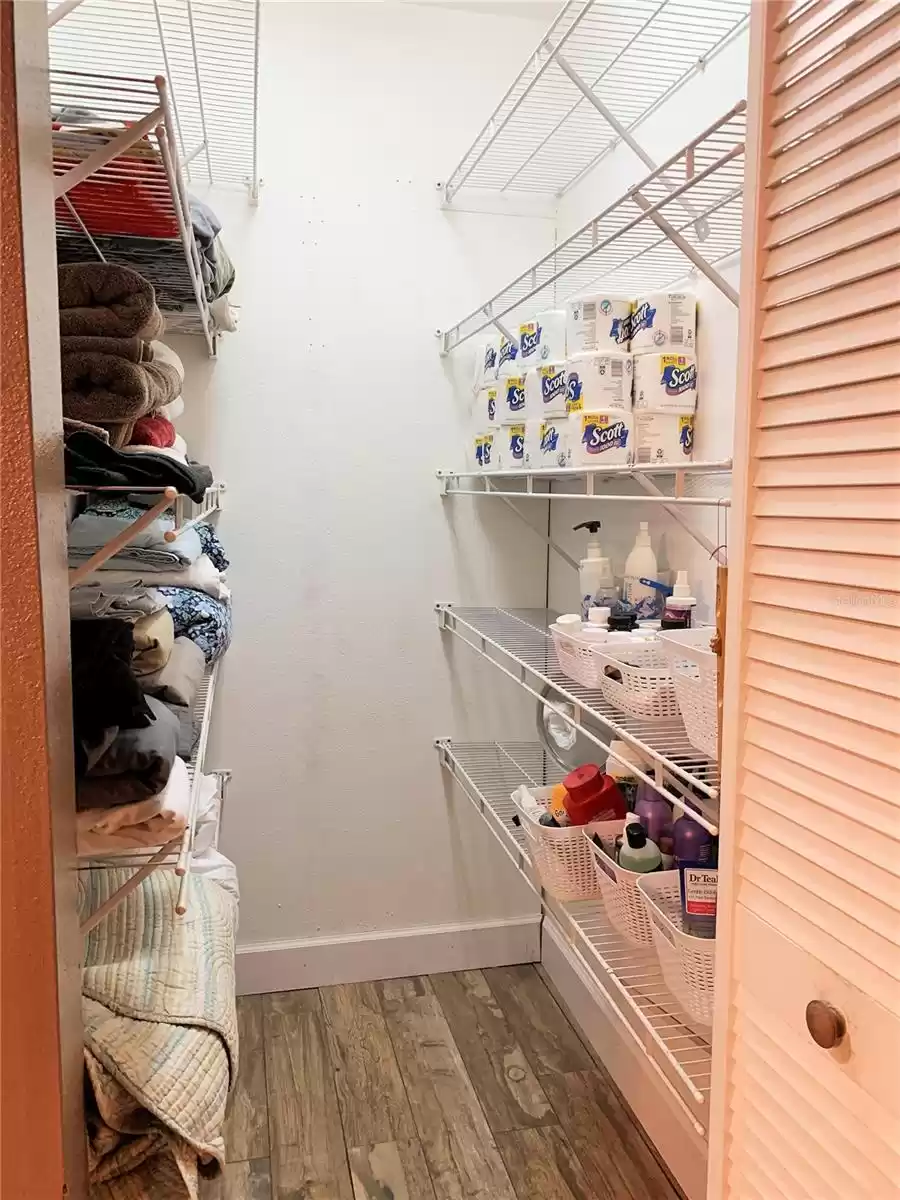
[[595, 575]]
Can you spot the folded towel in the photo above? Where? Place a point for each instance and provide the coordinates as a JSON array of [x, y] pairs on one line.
[[148, 552], [165, 354], [198, 578], [105, 692], [135, 349], [136, 765], [90, 463], [124, 601], [154, 639], [112, 391], [163, 818], [177, 682], [153, 431], [106, 300], [174, 410]]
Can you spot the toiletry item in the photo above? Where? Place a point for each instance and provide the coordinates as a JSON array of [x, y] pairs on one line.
[[592, 796], [597, 321], [477, 450], [558, 803], [599, 380], [654, 811], [693, 843], [622, 622], [599, 616], [639, 853], [663, 437], [601, 438], [665, 382], [486, 361], [490, 446], [667, 850], [678, 613], [664, 321], [542, 339], [547, 443], [530, 806], [489, 406], [569, 623], [699, 893], [595, 577], [512, 447], [641, 563], [545, 388], [623, 772], [507, 358], [549, 820], [511, 405]]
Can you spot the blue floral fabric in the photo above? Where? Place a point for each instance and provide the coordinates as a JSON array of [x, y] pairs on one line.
[[212, 547], [207, 622]]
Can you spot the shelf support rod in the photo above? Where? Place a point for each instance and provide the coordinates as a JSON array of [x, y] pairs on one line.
[[700, 538], [700, 224], [62, 10], [105, 154], [545, 537], [687, 249]]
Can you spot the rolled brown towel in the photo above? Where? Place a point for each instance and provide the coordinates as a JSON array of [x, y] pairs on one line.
[[133, 348], [107, 390], [106, 300]]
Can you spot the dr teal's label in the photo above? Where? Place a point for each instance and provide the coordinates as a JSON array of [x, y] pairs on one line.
[[700, 891], [601, 433]]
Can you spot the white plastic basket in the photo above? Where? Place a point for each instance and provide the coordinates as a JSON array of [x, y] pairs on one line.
[[562, 857], [618, 887], [688, 962], [644, 687], [576, 659], [695, 670]]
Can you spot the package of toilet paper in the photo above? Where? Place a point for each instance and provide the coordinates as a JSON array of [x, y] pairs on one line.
[[543, 339], [486, 361], [547, 443], [545, 389], [513, 399], [489, 405], [597, 322], [600, 438], [598, 379], [664, 321], [487, 449], [665, 382], [507, 359], [512, 446], [663, 437]]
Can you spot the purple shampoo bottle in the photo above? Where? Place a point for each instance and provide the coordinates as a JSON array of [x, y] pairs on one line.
[[696, 852]]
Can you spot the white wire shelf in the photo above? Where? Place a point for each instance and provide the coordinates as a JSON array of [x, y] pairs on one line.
[[628, 976], [518, 644], [686, 214], [207, 49], [177, 854], [120, 192], [546, 133], [581, 483]]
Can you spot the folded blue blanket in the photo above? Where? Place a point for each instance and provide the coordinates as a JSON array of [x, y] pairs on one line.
[[207, 622], [147, 549]]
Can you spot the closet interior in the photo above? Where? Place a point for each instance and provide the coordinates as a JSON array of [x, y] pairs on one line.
[[565, 570]]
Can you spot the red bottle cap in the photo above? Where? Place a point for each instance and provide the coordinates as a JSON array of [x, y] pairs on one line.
[[592, 796]]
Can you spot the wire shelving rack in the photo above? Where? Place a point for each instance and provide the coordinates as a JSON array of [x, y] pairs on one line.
[[628, 976], [601, 69]]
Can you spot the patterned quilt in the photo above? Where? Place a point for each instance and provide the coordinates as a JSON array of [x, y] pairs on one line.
[[160, 1036]]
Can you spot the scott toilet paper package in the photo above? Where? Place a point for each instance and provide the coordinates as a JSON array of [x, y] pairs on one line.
[[547, 443], [598, 379], [597, 322], [545, 389], [665, 382], [664, 321], [486, 361], [543, 339], [486, 446], [489, 405], [512, 446], [507, 359], [512, 399], [663, 437], [601, 438]]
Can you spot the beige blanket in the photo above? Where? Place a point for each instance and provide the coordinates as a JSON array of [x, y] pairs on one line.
[[160, 1036]]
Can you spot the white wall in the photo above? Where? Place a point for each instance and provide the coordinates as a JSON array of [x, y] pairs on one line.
[[338, 680]]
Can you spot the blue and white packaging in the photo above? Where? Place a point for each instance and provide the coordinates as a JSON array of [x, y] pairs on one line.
[[507, 358], [598, 380], [664, 321], [511, 440], [487, 450], [545, 389], [547, 443], [513, 400], [489, 405], [486, 360], [598, 321], [542, 339], [663, 437], [601, 438], [665, 382]]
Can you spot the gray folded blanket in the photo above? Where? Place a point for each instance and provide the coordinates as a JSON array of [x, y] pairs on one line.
[[108, 390], [135, 765], [106, 300]]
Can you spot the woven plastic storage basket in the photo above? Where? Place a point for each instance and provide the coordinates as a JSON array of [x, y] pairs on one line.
[[688, 963], [562, 857], [695, 670], [618, 887], [635, 678]]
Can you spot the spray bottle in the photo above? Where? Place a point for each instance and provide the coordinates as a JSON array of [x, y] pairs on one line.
[[595, 575]]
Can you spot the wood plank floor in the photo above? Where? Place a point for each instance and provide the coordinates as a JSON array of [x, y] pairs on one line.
[[466, 1086]]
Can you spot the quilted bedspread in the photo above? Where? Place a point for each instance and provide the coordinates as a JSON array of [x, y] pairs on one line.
[[160, 1035]]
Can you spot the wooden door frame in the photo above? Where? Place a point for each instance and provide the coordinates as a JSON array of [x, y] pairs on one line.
[[41, 1062]]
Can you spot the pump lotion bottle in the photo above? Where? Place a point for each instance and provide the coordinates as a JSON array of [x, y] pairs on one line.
[[595, 577]]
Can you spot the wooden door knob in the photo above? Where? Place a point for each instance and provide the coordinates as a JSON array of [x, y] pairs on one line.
[[825, 1023]]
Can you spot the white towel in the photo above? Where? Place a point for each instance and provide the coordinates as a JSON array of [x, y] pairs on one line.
[[100, 831], [165, 354]]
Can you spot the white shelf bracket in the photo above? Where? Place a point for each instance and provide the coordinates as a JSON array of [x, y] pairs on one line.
[[687, 249], [675, 513], [545, 537]]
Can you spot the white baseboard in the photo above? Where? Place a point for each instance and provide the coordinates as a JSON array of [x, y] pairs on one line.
[[677, 1142], [424, 950]]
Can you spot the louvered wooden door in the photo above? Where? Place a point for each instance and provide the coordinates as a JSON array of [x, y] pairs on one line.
[[810, 878]]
